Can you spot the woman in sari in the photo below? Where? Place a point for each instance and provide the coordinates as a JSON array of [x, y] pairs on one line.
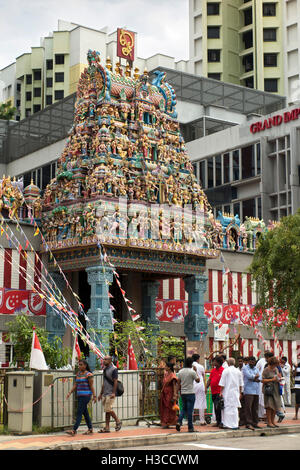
[[169, 397]]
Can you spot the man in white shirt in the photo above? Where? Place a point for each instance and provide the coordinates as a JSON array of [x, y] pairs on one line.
[[199, 389], [286, 372], [231, 384], [225, 363]]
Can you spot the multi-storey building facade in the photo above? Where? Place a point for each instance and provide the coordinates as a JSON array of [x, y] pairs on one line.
[[252, 170], [50, 72], [239, 41]]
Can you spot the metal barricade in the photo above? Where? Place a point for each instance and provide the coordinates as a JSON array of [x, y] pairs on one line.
[[140, 401]]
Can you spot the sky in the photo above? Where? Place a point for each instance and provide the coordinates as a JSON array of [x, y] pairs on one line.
[[161, 25]]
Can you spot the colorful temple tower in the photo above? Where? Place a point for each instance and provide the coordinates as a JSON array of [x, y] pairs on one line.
[[125, 191]]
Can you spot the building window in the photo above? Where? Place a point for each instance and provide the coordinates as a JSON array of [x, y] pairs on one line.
[[248, 62], [59, 59], [271, 84], [269, 9], [237, 209], [37, 74], [213, 32], [48, 99], [259, 213], [248, 162], [28, 79], [59, 76], [53, 170], [46, 175], [36, 108], [49, 82], [248, 208], [27, 113], [270, 60], [18, 86], [49, 64], [218, 165], [37, 92], [213, 9], [248, 39], [258, 159], [236, 165], [202, 175], [213, 55], [226, 168], [28, 95], [249, 82], [210, 172], [59, 94], [270, 34], [248, 16], [215, 76]]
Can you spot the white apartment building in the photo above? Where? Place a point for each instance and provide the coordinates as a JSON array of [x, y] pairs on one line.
[[254, 43], [50, 72]]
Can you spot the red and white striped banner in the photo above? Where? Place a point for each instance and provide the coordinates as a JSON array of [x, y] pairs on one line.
[[226, 288], [230, 288], [18, 271]]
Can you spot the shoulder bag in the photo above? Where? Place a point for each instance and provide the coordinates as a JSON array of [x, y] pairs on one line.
[[120, 386], [269, 389]]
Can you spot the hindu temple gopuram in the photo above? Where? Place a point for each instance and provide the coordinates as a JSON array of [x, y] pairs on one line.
[[124, 180], [124, 217]]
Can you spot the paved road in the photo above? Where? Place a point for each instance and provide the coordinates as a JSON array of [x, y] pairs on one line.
[[280, 442]]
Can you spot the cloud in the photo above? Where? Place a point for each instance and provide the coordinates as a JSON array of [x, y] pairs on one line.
[[161, 25]]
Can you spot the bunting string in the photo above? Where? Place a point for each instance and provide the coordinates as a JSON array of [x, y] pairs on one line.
[[60, 307]]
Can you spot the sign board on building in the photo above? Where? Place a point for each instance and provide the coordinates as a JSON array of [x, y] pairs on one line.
[[220, 332], [125, 44], [274, 121]]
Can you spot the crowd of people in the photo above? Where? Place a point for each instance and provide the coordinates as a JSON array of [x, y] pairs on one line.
[[244, 392]]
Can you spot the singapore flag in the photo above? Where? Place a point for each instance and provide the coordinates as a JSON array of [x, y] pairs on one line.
[[37, 359], [132, 364]]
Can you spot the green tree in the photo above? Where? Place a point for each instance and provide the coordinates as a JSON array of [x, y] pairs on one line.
[[20, 333], [7, 111], [166, 344], [276, 270]]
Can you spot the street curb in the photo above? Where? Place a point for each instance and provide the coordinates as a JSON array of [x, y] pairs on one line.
[[164, 439]]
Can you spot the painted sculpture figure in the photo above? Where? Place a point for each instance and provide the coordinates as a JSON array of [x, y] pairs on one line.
[[126, 142]]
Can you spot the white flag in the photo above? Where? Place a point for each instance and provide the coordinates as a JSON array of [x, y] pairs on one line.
[[37, 358]]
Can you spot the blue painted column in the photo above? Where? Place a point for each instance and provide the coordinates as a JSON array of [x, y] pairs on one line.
[[99, 313], [196, 322], [149, 295], [54, 324]]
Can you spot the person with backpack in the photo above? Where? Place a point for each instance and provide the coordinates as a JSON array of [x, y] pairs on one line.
[[108, 393]]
